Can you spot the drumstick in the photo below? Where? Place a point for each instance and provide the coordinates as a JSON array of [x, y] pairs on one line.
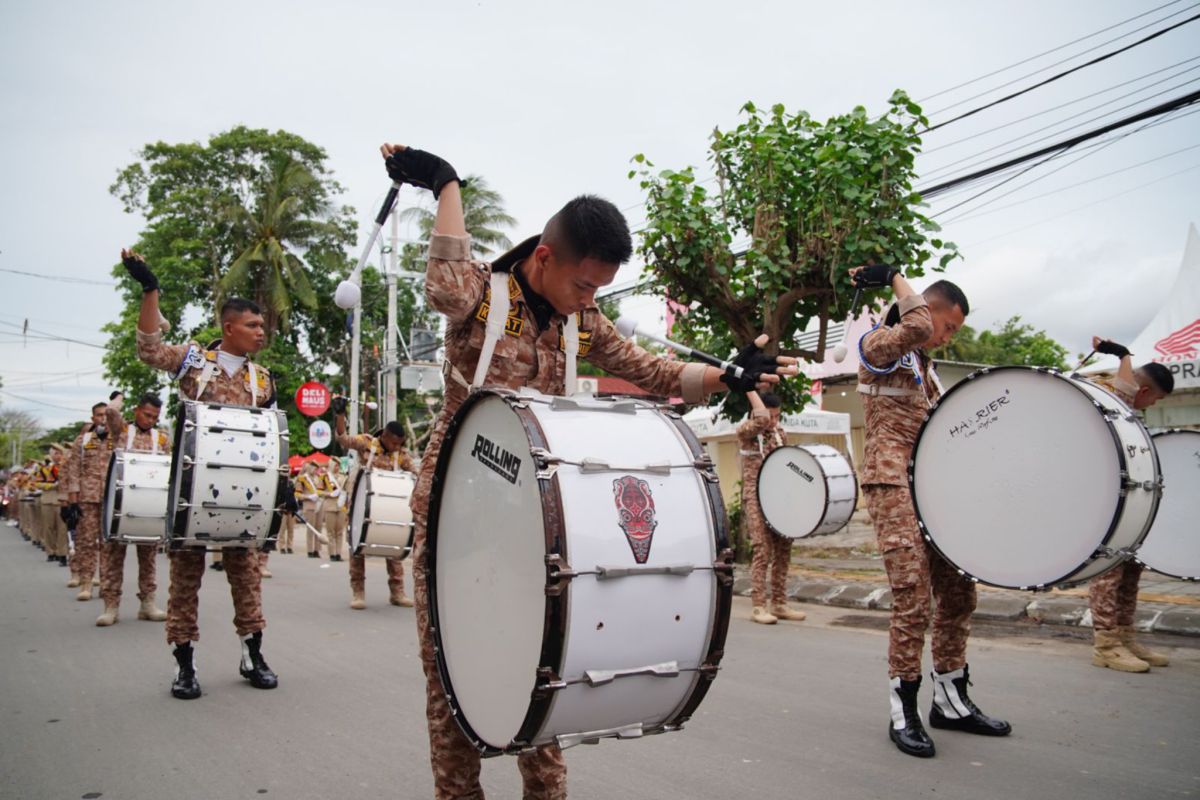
[[349, 291], [1086, 359], [322, 538], [839, 352]]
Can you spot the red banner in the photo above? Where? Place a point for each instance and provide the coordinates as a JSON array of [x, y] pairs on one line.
[[312, 399]]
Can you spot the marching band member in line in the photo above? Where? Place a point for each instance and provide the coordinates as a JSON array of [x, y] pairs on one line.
[[1113, 595], [385, 451], [898, 384], [333, 489], [54, 499], [85, 473], [223, 373], [552, 281], [310, 502], [758, 436]]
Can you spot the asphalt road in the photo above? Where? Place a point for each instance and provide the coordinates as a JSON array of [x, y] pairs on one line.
[[799, 710]]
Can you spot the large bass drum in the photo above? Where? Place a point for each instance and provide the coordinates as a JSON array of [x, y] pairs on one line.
[[806, 491], [135, 498], [1172, 546], [579, 574], [228, 475], [380, 520], [1028, 479]]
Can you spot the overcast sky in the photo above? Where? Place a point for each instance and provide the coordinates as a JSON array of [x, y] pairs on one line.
[[548, 100]]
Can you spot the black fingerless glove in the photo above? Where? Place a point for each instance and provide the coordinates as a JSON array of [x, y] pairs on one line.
[[1111, 348], [338, 406], [137, 269], [421, 169], [754, 363], [875, 276]]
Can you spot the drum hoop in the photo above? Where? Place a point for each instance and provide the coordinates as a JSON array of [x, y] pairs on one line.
[[1154, 436], [555, 625], [1121, 466], [110, 533], [723, 574], [824, 477]]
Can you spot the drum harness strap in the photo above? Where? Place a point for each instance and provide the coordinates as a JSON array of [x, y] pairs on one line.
[[908, 361], [131, 431], [210, 369]]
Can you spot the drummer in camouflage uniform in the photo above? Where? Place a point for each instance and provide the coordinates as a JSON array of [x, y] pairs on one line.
[[85, 472], [898, 385], [550, 277], [220, 373], [1113, 595]]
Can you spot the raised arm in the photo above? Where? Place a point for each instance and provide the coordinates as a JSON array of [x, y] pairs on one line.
[[884, 345]]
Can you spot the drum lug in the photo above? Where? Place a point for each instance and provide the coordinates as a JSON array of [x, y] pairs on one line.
[[558, 572], [547, 463], [547, 682], [709, 669], [723, 567]]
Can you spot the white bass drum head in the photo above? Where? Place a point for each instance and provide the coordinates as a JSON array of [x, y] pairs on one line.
[[792, 492], [1173, 545]]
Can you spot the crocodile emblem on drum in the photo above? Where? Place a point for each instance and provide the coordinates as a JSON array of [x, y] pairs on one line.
[[635, 512]]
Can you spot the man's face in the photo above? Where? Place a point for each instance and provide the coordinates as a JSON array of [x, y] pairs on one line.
[[243, 332], [98, 416], [390, 441], [776, 413], [570, 286], [1147, 395], [947, 319], [145, 416]]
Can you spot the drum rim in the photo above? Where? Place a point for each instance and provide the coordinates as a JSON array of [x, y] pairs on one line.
[[1153, 436], [1122, 465], [824, 477], [357, 550], [554, 629], [108, 533]]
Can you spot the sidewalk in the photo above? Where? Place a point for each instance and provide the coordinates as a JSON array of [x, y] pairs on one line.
[[845, 570]]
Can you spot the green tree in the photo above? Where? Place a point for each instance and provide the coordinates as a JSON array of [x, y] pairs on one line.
[[1010, 343], [22, 430], [483, 212], [798, 202]]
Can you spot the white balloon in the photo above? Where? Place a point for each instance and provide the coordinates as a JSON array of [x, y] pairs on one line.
[[348, 295]]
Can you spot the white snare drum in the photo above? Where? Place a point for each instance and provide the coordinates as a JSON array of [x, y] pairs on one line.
[[1172, 546], [579, 575], [1026, 478], [806, 491], [380, 519], [228, 475], [135, 498]]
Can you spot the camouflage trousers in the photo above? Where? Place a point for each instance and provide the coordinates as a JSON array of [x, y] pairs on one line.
[[86, 562], [358, 574], [455, 761], [915, 571], [112, 571], [771, 551], [1113, 596], [242, 569], [334, 523]]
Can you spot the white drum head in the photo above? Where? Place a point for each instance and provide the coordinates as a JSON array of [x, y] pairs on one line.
[[489, 570], [1173, 545], [110, 498], [792, 492], [1016, 477], [358, 511]]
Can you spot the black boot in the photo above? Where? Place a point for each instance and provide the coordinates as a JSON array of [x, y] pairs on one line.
[[51, 558], [254, 667], [314, 555], [906, 729], [185, 686], [62, 561], [953, 709]]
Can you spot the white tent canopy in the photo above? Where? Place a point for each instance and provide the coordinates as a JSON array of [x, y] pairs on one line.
[[707, 425], [1173, 337]]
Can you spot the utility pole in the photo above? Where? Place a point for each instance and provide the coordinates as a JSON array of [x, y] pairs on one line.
[[390, 354], [355, 347]]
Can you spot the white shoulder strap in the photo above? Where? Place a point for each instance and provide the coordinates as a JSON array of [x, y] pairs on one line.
[[206, 373], [571, 347], [253, 383], [496, 317], [87, 437], [130, 432]]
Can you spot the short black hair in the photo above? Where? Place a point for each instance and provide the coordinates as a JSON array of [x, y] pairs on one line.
[[99, 405], [771, 400], [239, 305], [1159, 375], [950, 293], [396, 429], [150, 399], [589, 227]]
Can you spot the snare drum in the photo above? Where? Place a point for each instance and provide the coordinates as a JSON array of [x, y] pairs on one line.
[[1028, 479], [806, 491], [380, 519], [579, 575], [135, 498], [228, 474], [1172, 546]]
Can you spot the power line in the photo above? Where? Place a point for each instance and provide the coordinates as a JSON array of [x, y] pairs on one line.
[[1066, 144], [59, 278], [53, 336], [42, 402], [1061, 75], [1052, 50]]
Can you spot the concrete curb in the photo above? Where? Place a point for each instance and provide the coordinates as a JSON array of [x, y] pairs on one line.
[[995, 605]]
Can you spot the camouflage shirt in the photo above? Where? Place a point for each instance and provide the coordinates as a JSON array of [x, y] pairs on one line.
[[1123, 389], [891, 359], [525, 356], [758, 436], [189, 364], [372, 455], [133, 438], [87, 467]]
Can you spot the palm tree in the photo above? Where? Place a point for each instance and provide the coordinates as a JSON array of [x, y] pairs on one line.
[[483, 212], [285, 217]]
